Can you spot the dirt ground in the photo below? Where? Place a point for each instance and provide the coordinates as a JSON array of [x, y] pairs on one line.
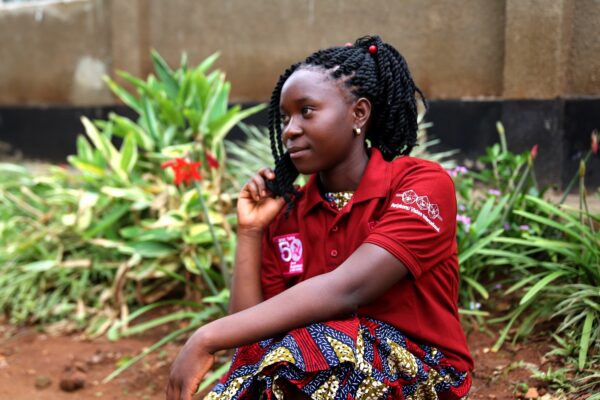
[[35, 365]]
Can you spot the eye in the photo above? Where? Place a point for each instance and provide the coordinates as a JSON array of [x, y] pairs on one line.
[[306, 111], [285, 119]]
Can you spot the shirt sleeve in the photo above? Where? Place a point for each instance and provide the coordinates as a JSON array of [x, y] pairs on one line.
[[271, 277], [419, 225]]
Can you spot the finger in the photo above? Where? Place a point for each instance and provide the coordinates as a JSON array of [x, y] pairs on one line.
[[253, 190], [267, 173], [259, 181]]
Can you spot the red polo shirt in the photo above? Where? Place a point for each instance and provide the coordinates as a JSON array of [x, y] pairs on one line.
[[407, 207]]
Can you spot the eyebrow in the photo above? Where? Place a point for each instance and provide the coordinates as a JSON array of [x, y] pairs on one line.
[[302, 100]]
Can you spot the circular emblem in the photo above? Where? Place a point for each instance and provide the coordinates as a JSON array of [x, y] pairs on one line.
[[296, 247]]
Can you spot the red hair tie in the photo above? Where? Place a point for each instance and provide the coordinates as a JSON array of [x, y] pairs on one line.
[[372, 49]]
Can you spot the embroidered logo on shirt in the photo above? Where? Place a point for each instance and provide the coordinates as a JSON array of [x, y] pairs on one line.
[[290, 252], [424, 208]]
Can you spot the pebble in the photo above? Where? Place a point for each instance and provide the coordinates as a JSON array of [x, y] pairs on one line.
[[42, 382], [72, 380], [532, 393]]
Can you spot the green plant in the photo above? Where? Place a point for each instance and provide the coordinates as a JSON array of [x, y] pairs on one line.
[[486, 199], [116, 233]]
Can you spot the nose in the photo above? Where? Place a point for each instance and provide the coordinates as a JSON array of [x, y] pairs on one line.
[[291, 130]]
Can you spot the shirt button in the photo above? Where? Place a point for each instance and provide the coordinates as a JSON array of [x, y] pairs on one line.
[[333, 253], [335, 228]]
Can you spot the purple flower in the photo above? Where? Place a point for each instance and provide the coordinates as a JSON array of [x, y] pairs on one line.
[[494, 192], [462, 207], [474, 306], [465, 220], [498, 286], [506, 227], [524, 227], [454, 172]]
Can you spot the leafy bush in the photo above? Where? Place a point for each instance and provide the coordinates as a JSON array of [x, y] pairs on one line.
[[546, 255], [117, 232]]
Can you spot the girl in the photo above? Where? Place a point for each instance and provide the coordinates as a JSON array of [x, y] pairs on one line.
[[349, 291]]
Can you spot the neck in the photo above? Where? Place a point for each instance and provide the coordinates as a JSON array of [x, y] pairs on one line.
[[346, 176]]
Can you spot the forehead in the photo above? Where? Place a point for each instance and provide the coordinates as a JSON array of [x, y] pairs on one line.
[[311, 83]]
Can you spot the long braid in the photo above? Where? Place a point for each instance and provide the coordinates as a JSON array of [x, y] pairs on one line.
[[383, 78]]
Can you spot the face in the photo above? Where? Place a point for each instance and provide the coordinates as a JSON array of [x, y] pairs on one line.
[[318, 118]]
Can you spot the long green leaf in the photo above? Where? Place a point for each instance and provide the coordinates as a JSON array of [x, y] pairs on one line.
[[150, 117], [480, 244], [541, 285], [124, 95], [220, 130], [109, 219], [207, 63], [586, 333], [165, 74], [129, 154], [477, 286]]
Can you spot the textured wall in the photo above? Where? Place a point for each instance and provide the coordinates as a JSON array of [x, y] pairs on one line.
[[525, 49], [55, 54], [584, 56], [453, 52]]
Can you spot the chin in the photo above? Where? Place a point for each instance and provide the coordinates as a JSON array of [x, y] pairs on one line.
[[305, 168]]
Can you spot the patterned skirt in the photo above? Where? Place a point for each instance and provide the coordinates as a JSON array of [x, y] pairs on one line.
[[355, 358]]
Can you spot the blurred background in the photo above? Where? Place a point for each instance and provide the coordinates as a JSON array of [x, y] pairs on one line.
[[532, 64]]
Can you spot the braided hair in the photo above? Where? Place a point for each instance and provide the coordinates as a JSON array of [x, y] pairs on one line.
[[379, 74]]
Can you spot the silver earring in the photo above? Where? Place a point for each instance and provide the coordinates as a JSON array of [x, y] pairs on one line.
[[356, 131]]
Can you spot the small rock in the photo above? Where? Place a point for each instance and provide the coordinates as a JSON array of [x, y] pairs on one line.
[[80, 366], [96, 359], [3, 362], [31, 372], [42, 382], [72, 380], [492, 396], [532, 393]]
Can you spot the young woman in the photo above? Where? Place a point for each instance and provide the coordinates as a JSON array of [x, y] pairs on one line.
[[350, 290]]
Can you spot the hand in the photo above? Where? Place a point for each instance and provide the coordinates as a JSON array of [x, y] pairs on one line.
[[188, 369], [256, 205]]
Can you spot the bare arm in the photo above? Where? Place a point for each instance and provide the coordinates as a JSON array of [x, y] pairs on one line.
[[368, 273], [256, 209]]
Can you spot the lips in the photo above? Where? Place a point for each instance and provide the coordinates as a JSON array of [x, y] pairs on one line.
[[297, 151]]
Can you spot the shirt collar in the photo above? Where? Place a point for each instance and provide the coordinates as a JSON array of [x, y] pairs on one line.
[[374, 183]]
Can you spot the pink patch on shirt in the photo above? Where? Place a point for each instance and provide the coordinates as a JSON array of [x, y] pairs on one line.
[[290, 252]]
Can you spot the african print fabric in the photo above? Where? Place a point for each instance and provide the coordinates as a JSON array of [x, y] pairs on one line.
[[352, 359]]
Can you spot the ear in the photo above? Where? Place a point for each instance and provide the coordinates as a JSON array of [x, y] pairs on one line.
[[361, 112]]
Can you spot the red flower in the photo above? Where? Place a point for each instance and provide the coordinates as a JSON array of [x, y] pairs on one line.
[[595, 142], [534, 151], [212, 161], [184, 170]]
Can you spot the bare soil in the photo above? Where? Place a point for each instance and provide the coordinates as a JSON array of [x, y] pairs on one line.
[[40, 366]]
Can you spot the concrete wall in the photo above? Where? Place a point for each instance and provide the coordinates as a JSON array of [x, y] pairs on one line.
[[518, 49], [55, 54]]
